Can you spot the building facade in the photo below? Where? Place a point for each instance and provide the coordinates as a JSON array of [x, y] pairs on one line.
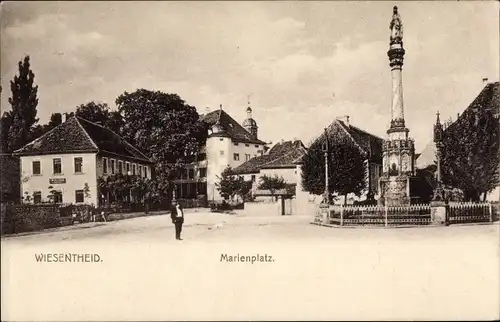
[[64, 164], [228, 144], [282, 160]]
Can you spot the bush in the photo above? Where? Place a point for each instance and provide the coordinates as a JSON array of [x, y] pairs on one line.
[[24, 218]]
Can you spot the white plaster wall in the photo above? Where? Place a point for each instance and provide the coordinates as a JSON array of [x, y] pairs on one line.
[[216, 163], [74, 181], [242, 149]]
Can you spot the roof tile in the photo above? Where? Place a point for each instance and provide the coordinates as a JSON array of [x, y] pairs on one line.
[[80, 135]]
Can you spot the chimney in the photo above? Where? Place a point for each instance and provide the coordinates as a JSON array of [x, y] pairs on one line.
[[64, 117], [485, 80], [207, 110], [344, 119]]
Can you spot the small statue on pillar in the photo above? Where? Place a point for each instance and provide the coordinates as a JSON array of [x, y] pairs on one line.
[[396, 27]]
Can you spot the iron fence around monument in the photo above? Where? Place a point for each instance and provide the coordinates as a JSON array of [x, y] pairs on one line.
[[470, 212], [350, 215], [410, 215]]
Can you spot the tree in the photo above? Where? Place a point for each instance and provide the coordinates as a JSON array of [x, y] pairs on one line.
[[164, 127], [100, 113], [5, 123], [22, 118], [245, 189], [346, 163], [272, 183], [39, 130], [230, 184], [86, 190], [470, 153]]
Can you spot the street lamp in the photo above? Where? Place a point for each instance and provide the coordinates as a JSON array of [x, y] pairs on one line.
[[326, 150], [369, 195], [438, 137]]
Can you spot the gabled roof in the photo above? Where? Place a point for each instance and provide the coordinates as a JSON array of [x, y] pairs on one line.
[[282, 155], [80, 135], [232, 129], [366, 142], [488, 98]]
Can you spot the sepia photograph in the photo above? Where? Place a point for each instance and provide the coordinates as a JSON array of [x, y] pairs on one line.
[[250, 160]]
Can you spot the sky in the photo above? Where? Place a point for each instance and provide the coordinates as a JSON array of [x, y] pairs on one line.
[[301, 63]]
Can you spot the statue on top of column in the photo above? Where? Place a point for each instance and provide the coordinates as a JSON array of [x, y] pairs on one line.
[[396, 27]]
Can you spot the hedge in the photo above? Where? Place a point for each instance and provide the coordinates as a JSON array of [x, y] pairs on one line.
[[23, 218]]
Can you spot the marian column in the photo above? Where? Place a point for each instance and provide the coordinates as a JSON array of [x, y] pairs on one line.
[[398, 149]]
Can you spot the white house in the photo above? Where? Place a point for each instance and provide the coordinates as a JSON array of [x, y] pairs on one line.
[[228, 144], [67, 161]]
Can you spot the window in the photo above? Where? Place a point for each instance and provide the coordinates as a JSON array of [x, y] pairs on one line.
[[79, 196], [221, 152], [78, 165], [253, 177], [120, 167], [247, 157], [257, 146], [127, 167], [105, 165], [145, 171], [57, 166], [191, 174], [221, 139], [247, 145], [140, 170], [37, 196], [202, 156], [203, 172], [112, 165], [236, 157], [236, 143], [134, 169], [36, 167]]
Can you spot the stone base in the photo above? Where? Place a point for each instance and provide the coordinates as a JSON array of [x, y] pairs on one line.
[[438, 213], [396, 190]]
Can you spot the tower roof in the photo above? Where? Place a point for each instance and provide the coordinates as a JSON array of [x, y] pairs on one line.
[[230, 127], [249, 122]]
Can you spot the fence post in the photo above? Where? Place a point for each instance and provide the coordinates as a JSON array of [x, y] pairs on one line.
[[385, 217], [342, 215], [490, 209]]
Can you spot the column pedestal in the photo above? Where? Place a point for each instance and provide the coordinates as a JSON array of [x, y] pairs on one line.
[[438, 213]]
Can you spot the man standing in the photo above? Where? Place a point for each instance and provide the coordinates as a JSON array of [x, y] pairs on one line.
[[177, 215]]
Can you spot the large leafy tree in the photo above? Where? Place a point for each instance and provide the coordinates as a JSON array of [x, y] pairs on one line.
[[347, 171], [470, 153], [101, 114], [18, 123], [161, 124], [164, 127]]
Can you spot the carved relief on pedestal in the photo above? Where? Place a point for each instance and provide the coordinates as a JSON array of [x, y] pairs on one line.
[[405, 163]]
